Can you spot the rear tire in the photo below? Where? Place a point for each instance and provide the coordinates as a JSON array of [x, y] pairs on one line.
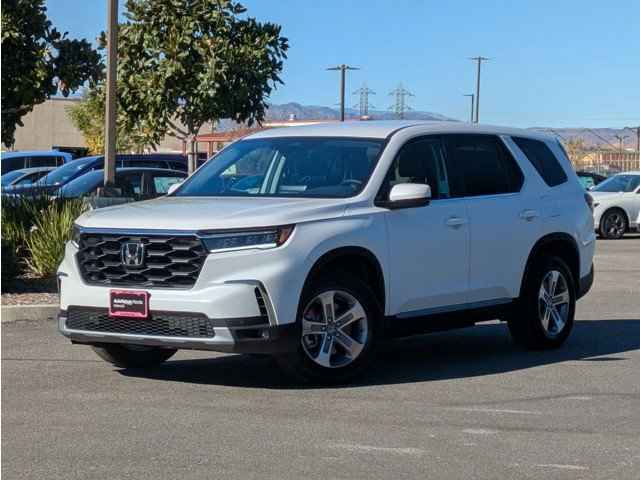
[[133, 356], [543, 317], [613, 224], [340, 322]]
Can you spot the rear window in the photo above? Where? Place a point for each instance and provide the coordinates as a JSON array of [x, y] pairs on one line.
[[480, 165], [543, 159]]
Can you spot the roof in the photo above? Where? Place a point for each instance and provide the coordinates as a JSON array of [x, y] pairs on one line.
[[383, 128], [35, 153], [27, 171]]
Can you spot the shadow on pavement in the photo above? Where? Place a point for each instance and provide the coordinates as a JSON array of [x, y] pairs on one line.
[[482, 350]]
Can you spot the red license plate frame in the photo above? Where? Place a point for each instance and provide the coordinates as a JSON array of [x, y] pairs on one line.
[[129, 304]]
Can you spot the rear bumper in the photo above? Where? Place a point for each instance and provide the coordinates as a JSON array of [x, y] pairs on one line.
[[231, 336], [585, 283]]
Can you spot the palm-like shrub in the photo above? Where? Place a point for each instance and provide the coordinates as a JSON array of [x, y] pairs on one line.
[[50, 231]]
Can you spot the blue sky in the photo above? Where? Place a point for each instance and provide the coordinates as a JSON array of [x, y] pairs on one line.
[[559, 63]]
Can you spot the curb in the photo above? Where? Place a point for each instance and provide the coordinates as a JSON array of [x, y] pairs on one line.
[[13, 313]]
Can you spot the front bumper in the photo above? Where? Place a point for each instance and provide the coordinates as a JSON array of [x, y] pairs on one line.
[[237, 335]]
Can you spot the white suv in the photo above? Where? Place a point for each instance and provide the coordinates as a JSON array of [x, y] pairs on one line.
[[315, 243]]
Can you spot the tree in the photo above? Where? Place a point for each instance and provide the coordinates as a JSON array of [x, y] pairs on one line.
[[38, 61], [88, 116], [194, 61]]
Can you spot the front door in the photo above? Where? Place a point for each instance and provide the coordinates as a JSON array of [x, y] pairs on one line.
[[429, 249]]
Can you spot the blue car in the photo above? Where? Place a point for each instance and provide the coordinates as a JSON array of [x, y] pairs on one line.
[[55, 180], [24, 176], [31, 159]]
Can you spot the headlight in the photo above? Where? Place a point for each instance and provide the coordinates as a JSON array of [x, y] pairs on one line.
[[75, 236], [262, 238]]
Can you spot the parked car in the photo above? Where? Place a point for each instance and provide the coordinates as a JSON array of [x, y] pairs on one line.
[[616, 205], [590, 179], [138, 183], [356, 232], [59, 177], [24, 176], [32, 159]]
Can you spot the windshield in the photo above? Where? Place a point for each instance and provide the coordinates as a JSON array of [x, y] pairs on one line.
[[287, 167], [619, 183], [83, 185], [7, 178], [63, 174]]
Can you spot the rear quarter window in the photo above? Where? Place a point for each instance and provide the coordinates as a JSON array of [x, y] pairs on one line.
[[543, 160]]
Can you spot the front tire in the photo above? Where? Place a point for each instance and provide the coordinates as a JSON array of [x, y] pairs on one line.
[[133, 356], [339, 321], [613, 224], [543, 318]]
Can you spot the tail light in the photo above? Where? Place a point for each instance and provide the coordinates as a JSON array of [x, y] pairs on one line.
[[589, 199]]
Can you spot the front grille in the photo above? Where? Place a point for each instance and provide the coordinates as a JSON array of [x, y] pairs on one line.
[[170, 261], [161, 324]]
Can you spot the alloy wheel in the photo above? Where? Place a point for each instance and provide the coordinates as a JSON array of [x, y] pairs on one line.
[[553, 303], [614, 225], [334, 329]]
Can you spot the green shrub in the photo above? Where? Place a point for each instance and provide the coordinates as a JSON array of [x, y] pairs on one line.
[[18, 216], [10, 266], [46, 238]]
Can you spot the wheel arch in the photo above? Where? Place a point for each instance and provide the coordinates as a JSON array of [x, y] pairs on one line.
[[359, 261], [558, 244]]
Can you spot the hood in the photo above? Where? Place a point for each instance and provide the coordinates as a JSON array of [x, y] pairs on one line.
[[209, 213], [603, 195], [31, 189]]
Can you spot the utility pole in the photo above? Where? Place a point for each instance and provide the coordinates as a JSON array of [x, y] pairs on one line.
[[400, 106], [343, 70], [110, 114], [637, 129], [363, 105], [479, 61], [472, 95], [621, 139]]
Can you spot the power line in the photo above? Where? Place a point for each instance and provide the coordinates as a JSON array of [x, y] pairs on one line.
[[400, 106], [363, 104], [343, 70], [479, 60]]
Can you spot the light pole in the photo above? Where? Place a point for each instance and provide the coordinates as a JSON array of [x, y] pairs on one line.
[[621, 139], [479, 61], [472, 98], [110, 113], [637, 129], [343, 70]]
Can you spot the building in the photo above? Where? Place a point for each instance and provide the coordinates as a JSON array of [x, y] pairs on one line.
[[49, 125]]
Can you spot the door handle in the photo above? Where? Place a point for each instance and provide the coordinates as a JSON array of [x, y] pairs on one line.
[[529, 215], [455, 222]]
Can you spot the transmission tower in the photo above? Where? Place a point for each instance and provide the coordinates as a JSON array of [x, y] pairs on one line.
[[363, 104], [400, 106]]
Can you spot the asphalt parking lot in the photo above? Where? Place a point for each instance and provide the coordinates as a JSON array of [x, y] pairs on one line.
[[460, 404]]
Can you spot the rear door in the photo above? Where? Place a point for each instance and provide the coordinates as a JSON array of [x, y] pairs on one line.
[[428, 245], [504, 222]]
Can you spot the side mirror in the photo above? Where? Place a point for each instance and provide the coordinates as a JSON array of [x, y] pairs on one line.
[[409, 195], [173, 187]]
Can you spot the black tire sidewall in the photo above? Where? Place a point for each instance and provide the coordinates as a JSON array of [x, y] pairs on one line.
[[304, 368]]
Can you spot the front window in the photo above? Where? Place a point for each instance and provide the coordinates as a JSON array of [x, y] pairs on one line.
[[287, 167], [63, 174], [619, 183]]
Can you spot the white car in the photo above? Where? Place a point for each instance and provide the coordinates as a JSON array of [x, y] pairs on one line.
[[616, 205], [317, 243]]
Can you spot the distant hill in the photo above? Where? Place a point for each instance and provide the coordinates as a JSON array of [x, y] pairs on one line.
[[312, 112], [595, 137]]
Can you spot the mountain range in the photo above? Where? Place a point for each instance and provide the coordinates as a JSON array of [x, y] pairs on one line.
[[591, 137]]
